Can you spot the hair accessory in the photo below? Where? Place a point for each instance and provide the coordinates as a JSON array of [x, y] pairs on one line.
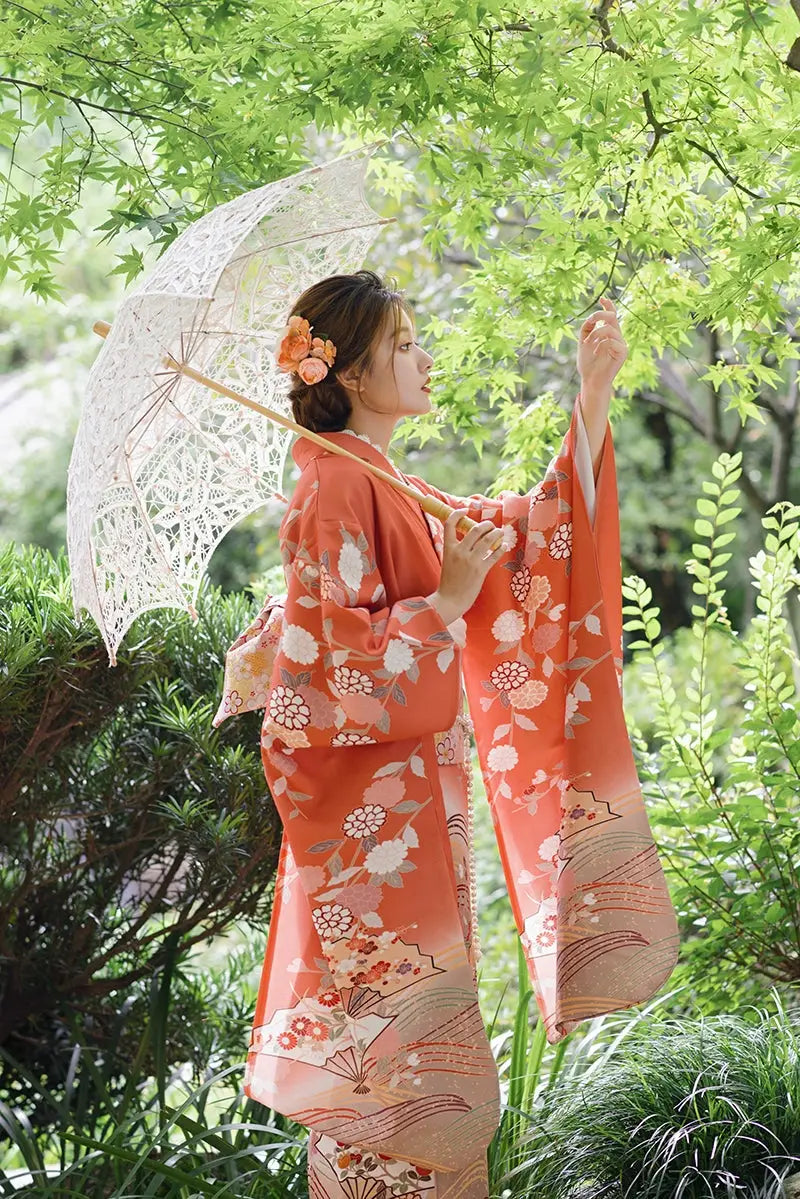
[[301, 354]]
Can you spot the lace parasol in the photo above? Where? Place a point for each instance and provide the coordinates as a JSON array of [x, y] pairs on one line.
[[162, 467]]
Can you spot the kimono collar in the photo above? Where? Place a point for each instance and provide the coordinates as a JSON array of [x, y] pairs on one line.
[[304, 450]]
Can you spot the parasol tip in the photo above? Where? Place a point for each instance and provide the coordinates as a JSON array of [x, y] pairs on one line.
[[193, 612]]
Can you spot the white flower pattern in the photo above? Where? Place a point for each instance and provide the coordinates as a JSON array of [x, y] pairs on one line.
[[363, 821], [561, 541], [386, 856], [502, 757], [549, 847], [332, 920], [350, 738], [351, 566], [398, 656], [510, 537], [350, 681], [288, 708], [509, 626], [298, 644]]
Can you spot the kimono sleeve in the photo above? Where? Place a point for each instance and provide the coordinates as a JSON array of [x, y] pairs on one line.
[[543, 673], [249, 661], [350, 667], [481, 507]]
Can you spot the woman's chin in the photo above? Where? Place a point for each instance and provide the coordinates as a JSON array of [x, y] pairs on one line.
[[416, 405]]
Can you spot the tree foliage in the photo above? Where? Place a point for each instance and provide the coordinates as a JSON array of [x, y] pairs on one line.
[[558, 153]]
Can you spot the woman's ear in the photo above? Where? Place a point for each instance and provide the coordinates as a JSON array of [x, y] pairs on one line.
[[349, 378]]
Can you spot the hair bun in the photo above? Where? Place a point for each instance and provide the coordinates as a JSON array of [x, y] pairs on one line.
[[323, 407], [352, 311]]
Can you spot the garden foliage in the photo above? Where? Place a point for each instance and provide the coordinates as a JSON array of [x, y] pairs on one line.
[[644, 151], [722, 779], [130, 829]]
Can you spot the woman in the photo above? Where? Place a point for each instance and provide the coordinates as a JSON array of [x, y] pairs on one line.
[[367, 1027]]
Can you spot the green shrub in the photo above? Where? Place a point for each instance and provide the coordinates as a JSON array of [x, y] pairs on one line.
[[165, 1136], [722, 779], [130, 828]]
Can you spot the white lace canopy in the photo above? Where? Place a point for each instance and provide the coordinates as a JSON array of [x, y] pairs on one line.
[[162, 466]]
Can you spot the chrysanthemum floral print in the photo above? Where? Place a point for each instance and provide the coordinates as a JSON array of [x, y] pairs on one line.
[[367, 1027], [354, 672]]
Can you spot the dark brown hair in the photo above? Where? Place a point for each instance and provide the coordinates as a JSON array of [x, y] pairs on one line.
[[352, 311]]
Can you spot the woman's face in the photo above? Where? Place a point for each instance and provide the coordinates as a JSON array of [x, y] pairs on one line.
[[400, 393]]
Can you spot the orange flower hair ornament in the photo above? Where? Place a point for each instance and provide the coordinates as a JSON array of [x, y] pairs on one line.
[[301, 354]]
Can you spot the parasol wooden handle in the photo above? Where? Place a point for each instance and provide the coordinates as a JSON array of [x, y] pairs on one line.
[[428, 502]]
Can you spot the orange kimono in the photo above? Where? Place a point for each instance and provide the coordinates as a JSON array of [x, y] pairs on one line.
[[367, 1027]]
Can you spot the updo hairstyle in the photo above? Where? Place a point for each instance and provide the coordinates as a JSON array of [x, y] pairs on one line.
[[351, 311]]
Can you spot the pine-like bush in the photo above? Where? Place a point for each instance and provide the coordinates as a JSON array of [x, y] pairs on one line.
[[130, 829]]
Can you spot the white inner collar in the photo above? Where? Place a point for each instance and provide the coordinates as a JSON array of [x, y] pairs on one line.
[[365, 437]]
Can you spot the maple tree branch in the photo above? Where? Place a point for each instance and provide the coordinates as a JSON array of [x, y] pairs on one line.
[[144, 116], [660, 128]]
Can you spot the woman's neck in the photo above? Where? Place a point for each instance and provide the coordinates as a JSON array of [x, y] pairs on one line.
[[376, 428]]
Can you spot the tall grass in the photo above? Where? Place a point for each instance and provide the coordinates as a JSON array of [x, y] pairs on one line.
[[524, 1073], [109, 1135], [644, 1106], [171, 1150]]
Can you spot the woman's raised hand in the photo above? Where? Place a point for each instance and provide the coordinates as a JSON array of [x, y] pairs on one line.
[[601, 348], [465, 564]]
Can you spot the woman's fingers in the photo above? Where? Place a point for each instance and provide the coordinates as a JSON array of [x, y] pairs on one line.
[[477, 532], [471, 536], [607, 315], [494, 554], [613, 345], [603, 335], [486, 547], [607, 326], [478, 538], [449, 530], [601, 331]]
